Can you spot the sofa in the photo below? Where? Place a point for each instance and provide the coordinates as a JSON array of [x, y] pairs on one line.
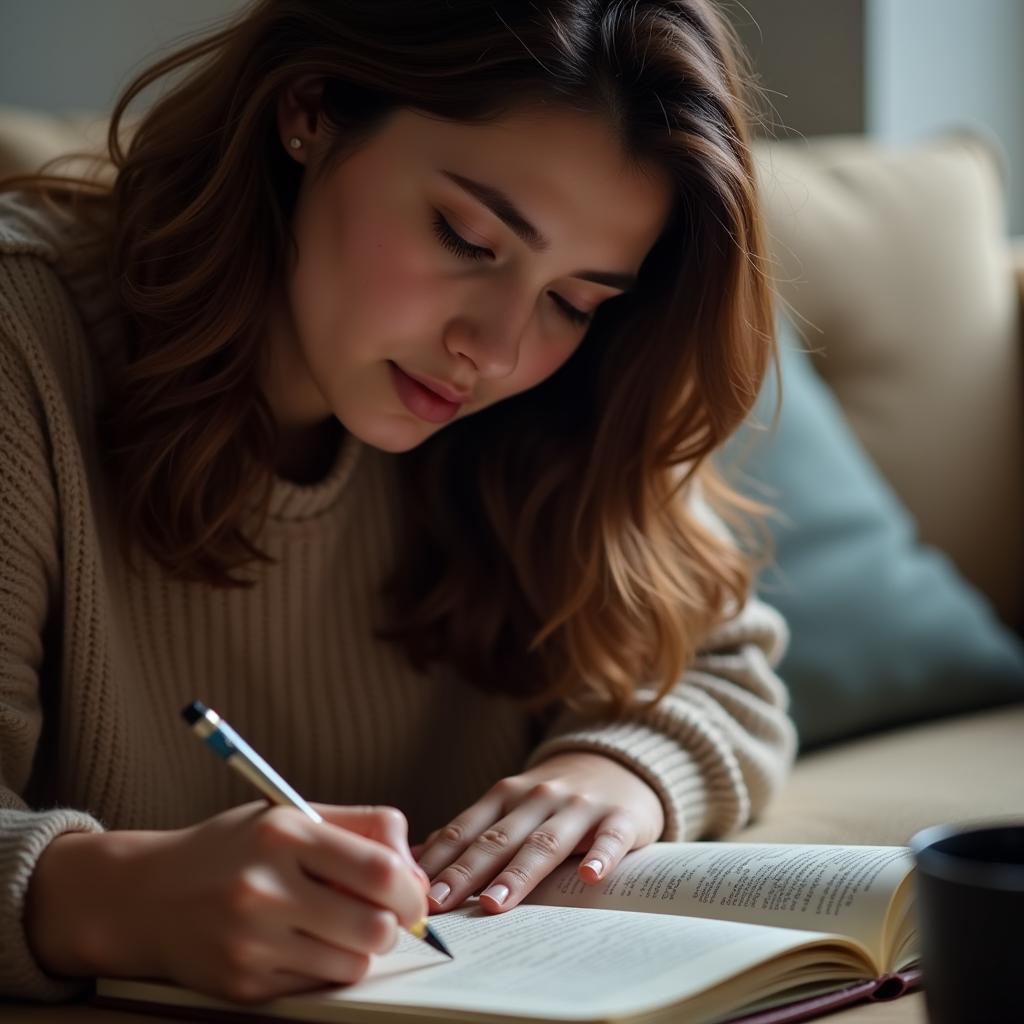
[[897, 265], [898, 280]]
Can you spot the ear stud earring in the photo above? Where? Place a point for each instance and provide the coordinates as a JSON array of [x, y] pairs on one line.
[[295, 142]]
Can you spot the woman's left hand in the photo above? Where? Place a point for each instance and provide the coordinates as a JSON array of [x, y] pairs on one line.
[[527, 824]]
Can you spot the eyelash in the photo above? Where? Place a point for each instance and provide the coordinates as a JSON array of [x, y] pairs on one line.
[[456, 244]]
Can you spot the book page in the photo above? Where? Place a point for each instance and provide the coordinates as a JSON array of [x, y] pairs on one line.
[[842, 889], [562, 964]]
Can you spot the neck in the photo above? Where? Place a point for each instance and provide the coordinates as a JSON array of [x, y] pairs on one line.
[[305, 455]]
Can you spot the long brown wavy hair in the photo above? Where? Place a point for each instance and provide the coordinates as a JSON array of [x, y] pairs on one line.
[[548, 547]]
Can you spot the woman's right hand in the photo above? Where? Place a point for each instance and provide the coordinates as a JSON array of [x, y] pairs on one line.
[[253, 903]]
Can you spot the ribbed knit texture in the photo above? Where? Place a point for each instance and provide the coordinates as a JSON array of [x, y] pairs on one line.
[[95, 664]]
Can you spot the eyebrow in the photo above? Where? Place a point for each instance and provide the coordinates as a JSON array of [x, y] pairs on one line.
[[506, 211]]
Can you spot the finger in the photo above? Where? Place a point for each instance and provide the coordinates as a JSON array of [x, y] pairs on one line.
[[319, 963], [299, 964], [537, 856], [384, 824], [258, 987], [339, 920], [491, 851], [310, 975], [420, 873], [613, 839], [445, 845], [491, 841], [350, 862]]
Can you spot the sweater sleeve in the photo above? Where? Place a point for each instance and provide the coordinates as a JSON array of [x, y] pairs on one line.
[[29, 588], [719, 745]]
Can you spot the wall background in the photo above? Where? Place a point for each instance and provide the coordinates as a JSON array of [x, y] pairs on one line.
[[67, 55], [894, 69]]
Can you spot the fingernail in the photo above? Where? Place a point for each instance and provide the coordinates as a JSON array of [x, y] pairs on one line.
[[498, 893], [439, 892], [595, 865]]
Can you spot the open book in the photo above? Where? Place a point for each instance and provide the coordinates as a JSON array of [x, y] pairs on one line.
[[704, 932]]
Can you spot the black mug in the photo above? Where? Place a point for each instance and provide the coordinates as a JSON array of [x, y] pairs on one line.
[[970, 913]]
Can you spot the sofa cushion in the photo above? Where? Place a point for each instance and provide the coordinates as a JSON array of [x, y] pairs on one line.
[[884, 788], [30, 138], [897, 264], [884, 629]]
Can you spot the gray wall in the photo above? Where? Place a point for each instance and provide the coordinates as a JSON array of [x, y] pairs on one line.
[[935, 63], [809, 56], [66, 55]]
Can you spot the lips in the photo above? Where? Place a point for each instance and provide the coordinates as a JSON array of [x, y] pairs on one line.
[[448, 393], [422, 400]]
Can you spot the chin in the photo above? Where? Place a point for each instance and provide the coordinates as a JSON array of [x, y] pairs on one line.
[[394, 435]]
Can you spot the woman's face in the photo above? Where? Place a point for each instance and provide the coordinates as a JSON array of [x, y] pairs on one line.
[[444, 267]]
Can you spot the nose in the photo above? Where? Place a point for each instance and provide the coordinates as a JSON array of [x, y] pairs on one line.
[[490, 338]]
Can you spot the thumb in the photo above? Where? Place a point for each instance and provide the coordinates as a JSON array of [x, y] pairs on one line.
[[386, 825]]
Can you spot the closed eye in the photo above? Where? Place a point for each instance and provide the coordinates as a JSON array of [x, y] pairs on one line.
[[455, 243], [577, 316]]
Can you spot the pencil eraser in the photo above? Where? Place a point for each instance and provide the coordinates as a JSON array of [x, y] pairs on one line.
[[193, 712]]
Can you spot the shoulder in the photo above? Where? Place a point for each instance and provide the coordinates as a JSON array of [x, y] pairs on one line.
[[27, 226], [32, 294], [48, 299], [48, 359]]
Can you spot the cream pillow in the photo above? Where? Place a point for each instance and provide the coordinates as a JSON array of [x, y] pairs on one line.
[[29, 138], [898, 258]]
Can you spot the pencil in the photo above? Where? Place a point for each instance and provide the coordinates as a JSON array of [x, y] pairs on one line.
[[231, 748]]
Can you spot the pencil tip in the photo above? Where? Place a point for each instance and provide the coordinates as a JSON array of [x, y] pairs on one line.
[[432, 938]]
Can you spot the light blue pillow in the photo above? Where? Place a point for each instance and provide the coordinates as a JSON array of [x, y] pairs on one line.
[[884, 630]]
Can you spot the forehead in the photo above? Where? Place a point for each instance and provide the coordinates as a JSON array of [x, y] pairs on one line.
[[566, 172]]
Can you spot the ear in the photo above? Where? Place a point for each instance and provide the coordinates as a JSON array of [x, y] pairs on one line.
[[298, 117]]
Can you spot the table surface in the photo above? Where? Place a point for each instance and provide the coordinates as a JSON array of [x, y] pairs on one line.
[[907, 1010]]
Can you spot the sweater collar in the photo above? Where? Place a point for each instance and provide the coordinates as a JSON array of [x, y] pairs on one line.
[[293, 502]]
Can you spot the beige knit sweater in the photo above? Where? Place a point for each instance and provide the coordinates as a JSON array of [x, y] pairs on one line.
[[95, 664]]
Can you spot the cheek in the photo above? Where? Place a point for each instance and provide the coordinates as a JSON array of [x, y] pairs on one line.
[[386, 269], [362, 283]]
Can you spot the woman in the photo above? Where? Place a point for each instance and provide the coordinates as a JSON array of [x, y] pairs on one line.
[[370, 401]]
